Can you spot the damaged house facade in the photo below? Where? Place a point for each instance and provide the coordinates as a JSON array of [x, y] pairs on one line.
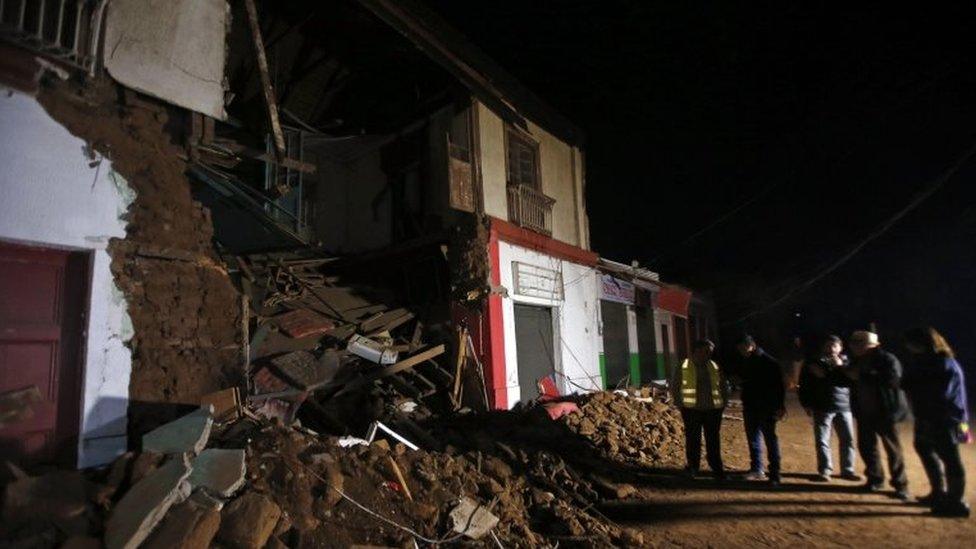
[[160, 160]]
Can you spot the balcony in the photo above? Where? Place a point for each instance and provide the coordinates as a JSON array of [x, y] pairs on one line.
[[529, 208]]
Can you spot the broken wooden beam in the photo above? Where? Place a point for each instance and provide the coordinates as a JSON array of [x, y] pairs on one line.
[[266, 86]]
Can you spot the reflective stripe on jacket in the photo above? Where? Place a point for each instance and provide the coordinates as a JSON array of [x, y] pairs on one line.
[[688, 394]]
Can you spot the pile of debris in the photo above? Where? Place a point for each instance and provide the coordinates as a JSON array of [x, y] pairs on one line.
[[643, 431], [335, 356], [254, 482]]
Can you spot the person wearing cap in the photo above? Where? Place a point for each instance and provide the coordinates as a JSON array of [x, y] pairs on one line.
[[763, 404], [936, 388], [879, 405], [699, 389], [827, 400]]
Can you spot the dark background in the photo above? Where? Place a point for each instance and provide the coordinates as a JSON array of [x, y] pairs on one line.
[[799, 129]]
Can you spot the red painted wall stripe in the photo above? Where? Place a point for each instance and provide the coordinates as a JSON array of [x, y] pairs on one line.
[[525, 238], [496, 329]]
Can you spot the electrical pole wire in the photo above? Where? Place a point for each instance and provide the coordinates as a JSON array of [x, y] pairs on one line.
[[920, 197]]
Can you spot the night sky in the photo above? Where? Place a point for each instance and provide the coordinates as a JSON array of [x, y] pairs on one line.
[[799, 129]]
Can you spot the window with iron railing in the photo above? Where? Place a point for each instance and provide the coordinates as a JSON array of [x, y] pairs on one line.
[[527, 206], [60, 29]]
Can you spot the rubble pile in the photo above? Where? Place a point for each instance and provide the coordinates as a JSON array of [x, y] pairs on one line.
[[335, 356], [642, 431], [253, 482]]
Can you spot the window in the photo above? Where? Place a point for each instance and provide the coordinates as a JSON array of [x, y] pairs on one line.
[[523, 160], [460, 162]]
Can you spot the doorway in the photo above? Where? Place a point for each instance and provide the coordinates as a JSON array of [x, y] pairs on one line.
[[42, 312], [534, 347], [616, 347]]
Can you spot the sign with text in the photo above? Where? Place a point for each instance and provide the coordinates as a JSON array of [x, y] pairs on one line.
[[614, 289]]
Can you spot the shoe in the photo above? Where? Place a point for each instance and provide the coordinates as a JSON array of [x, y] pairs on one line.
[[931, 499], [775, 480], [689, 473], [720, 478], [902, 494], [754, 475], [850, 475], [871, 486], [951, 509], [822, 477]]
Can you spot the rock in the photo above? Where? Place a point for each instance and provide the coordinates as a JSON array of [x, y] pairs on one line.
[[146, 503], [248, 521], [497, 468], [143, 464], [625, 491], [188, 525], [220, 472], [188, 434], [59, 498]]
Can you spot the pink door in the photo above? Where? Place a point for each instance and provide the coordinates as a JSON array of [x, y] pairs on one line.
[[42, 297]]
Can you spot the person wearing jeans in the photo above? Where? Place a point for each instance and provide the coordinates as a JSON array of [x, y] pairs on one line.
[[936, 387], [825, 399], [763, 404]]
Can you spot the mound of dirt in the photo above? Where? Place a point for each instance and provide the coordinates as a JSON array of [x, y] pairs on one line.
[[642, 432]]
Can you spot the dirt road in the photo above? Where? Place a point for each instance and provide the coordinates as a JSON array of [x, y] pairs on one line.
[[800, 513]]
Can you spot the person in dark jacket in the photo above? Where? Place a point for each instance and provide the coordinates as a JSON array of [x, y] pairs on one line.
[[763, 396], [829, 404], [936, 388], [879, 405]]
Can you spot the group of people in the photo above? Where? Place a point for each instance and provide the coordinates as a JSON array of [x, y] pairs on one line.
[[872, 388]]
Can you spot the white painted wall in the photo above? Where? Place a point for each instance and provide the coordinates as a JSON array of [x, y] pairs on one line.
[[171, 49], [576, 316], [562, 175], [51, 196]]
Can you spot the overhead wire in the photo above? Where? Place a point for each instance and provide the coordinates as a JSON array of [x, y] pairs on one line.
[[881, 229]]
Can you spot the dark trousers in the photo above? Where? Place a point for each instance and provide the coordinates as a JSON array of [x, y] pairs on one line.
[[711, 422], [937, 447], [869, 430], [761, 426]]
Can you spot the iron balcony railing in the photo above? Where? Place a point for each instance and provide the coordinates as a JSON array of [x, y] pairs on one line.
[[529, 208], [61, 29]]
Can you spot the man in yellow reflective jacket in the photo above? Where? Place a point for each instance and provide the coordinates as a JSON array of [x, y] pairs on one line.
[[699, 390]]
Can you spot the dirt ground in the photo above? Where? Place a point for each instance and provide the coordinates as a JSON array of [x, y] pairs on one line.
[[800, 513]]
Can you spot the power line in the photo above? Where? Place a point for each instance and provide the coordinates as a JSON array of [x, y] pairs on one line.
[[920, 197]]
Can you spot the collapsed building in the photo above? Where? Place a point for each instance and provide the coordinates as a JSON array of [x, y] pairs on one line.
[[300, 240], [156, 155]]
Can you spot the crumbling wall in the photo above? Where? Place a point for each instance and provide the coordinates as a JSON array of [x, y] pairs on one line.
[[185, 312]]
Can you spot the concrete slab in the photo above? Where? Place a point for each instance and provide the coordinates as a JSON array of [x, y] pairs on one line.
[[146, 503], [189, 434], [218, 471], [472, 519]]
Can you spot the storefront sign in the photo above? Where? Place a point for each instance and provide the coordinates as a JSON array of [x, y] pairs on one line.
[[614, 289], [532, 281]]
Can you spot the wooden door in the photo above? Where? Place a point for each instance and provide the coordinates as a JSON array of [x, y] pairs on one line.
[[42, 296]]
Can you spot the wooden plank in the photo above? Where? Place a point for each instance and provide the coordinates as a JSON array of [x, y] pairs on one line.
[[266, 87], [392, 369], [381, 321]]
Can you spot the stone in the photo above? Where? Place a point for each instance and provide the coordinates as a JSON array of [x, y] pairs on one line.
[[248, 521], [143, 464], [58, 498], [188, 434], [624, 491], [146, 503], [218, 471], [472, 519], [188, 525]]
